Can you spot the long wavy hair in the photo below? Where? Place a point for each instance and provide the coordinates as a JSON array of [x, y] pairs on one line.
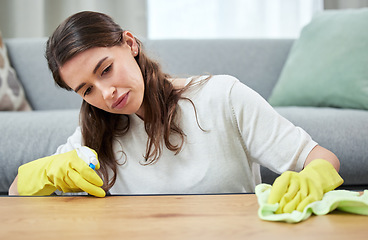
[[86, 30]]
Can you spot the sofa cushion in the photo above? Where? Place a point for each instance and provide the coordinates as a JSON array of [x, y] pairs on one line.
[[327, 65], [12, 96]]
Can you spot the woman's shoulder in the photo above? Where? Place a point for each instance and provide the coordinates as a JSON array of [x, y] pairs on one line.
[[218, 84], [214, 87], [217, 79], [213, 82], [224, 78]]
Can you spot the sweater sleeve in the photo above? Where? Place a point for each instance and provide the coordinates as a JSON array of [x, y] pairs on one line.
[[268, 138], [74, 141]]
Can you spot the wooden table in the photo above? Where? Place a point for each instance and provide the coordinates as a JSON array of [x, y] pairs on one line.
[[212, 217]]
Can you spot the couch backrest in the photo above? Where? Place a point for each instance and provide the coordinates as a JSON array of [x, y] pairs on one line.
[[255, 62]]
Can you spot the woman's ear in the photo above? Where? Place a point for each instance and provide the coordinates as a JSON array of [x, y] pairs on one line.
[[129, 39]]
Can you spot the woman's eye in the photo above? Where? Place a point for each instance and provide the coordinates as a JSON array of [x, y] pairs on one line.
[[106, 70], [88, 91]]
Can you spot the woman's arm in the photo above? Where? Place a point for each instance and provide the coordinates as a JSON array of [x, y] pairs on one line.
[[13, 189], [323, 153]]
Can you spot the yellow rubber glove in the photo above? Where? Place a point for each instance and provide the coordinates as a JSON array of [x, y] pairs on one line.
[[294, 191], [66, 172]]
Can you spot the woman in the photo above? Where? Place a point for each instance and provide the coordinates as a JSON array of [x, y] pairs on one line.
[[157, 134]]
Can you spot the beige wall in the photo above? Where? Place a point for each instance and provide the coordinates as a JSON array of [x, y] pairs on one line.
[[38, 18]]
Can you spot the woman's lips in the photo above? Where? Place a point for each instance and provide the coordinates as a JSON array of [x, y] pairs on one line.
[[121, 102]]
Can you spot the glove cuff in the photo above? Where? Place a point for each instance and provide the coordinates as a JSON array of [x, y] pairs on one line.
[[32, 179]]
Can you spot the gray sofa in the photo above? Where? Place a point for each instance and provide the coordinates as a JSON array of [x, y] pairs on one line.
[[26, 136]]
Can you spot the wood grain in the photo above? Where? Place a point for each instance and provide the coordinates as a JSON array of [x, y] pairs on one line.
[[162, 217]]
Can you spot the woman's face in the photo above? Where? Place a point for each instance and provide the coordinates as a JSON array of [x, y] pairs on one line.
[[108, 78]]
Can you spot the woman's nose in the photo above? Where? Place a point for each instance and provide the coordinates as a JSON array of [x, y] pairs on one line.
[[108, 92]]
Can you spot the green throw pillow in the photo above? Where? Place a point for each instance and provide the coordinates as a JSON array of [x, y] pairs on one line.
[[328, 65]]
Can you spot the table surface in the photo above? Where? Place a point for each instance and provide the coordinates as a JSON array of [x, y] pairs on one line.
[[229, 216]]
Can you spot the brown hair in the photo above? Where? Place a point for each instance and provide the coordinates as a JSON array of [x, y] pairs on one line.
[[86, 30]]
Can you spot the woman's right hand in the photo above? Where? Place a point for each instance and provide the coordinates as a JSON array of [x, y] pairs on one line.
[[66, 172]]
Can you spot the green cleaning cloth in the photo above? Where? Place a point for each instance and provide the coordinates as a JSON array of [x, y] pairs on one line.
[[347, 201]]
